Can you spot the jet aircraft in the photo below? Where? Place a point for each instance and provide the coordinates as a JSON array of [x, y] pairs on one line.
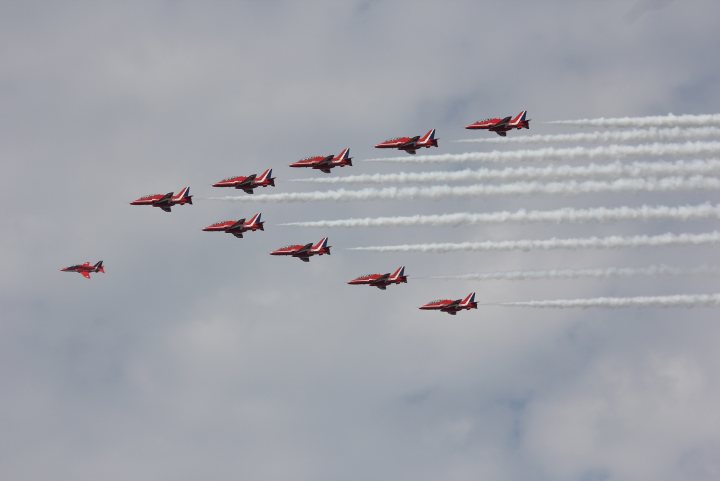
[[304, 252], [237, 228], [501, 126], [325, 163], [165, 202], [410, 144], [248, 183], [450, 306], [85, 269], [381, 281]]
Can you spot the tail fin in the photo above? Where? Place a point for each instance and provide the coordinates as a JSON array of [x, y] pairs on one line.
[[264, 176], [322, 244], [99, 267], [469, 301], [343, 156], [519, 119], [183, 195], [428, 137], [398, 273], [255, 219]]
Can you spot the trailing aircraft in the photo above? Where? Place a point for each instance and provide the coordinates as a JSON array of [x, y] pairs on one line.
[[165, 202], [237, 228], [304, 252], [501, 126], [381, 281], [85, 269], [248, 183], [450, 306], [410, 144], [325, 163]]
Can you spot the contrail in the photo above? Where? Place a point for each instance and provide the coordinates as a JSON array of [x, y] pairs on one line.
[[681, 300], [567, 214], [665, 184], [669, 120], [613, 169], [611, 242], [566, 153], [592, 273], [637, 135]]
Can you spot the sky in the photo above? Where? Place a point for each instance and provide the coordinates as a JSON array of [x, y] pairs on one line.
[[197, 355]]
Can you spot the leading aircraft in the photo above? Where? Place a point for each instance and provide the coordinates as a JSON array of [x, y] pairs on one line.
[[327, 162], [165, 202], [501, 126], [304, 252], [450, 306], [248, 183], [410, 144], [237, 228], [85, 269], [381, 281]]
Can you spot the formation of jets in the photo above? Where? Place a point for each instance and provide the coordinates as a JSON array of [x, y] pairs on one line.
[[324, 164], [502, 126]]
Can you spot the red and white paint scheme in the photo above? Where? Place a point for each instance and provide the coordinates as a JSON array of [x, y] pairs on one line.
[[381, 281], [410, 144], [450, 306], [165, 202], [85, 269], [304, 252], [248, 183], [501, 126], [237, 228], [325, 163]]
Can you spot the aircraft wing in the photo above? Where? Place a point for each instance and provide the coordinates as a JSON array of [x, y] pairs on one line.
[[501, 133], [409, 143], [380, 279], [237, 234], [304, 258], [502, 123], [164, 199], [237, 225], [85, 274], [166, 208]]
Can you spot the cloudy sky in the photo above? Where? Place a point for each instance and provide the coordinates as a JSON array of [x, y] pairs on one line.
[[198, 356]]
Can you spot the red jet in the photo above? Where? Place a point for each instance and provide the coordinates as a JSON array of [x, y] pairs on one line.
[[85, 269], [248, 183], [410, 144], [237, 228], [304, 252], [165, 202], [452, 307], [381, 281], [501, 126], [327, 162]]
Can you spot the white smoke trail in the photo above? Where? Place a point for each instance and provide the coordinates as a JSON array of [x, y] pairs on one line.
[[613, 169], [591, 273], [566, 153], [567, 214], [682, 300], [669, 120], [611, 242], [666, 184], [637, 135]]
